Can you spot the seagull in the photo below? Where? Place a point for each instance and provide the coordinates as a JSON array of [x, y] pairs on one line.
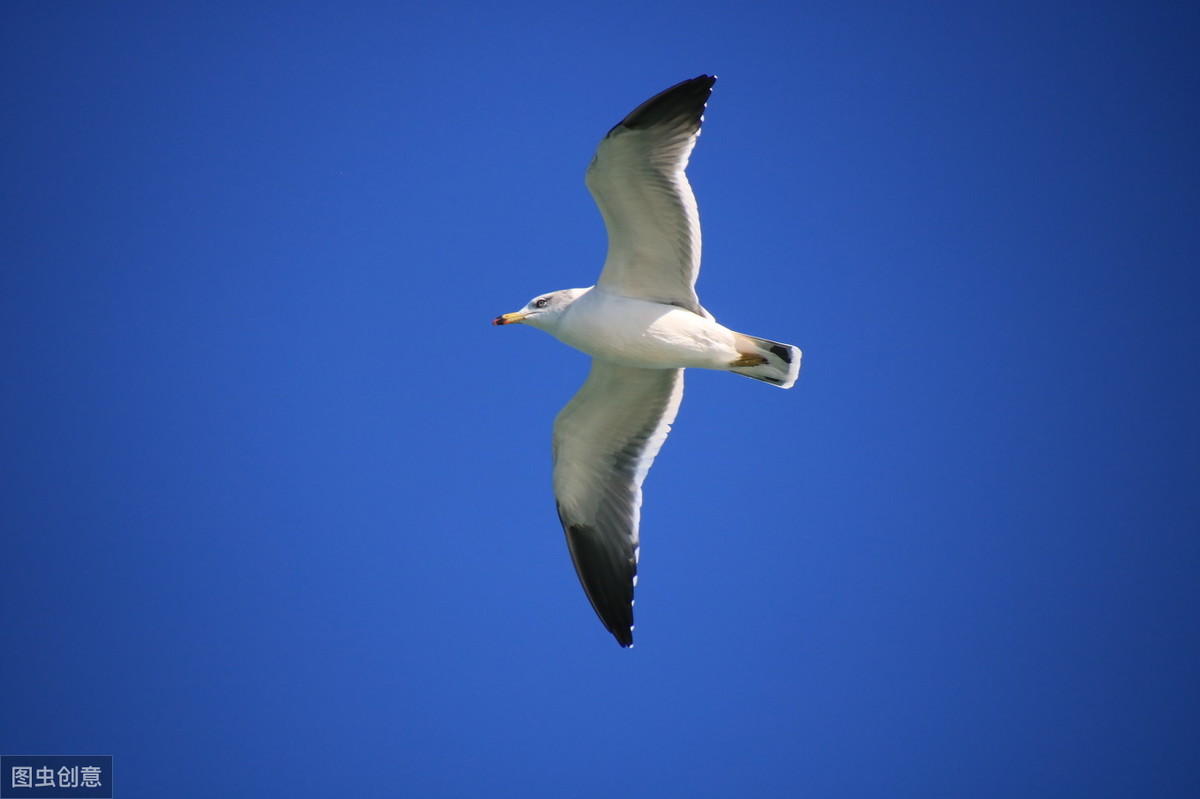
[[643, 324]]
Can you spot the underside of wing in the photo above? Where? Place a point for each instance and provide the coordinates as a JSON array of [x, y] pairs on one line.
[[637, 179], [604, 442]]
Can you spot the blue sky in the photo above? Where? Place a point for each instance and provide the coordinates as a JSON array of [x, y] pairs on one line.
[[276, 513]]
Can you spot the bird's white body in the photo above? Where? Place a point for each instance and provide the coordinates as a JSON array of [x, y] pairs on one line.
[[648, 335]]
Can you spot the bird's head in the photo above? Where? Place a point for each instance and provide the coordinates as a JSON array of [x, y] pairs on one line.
[[543, 311]]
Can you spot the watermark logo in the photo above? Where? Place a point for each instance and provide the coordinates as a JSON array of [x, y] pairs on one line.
[[56, 777]]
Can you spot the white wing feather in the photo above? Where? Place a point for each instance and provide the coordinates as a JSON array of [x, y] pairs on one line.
[[638, 180], [604, 442]]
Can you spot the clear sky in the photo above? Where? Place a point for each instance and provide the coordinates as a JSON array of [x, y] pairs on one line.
[[276, 516]]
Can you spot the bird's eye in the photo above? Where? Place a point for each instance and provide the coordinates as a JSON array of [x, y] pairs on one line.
[[540, 303]]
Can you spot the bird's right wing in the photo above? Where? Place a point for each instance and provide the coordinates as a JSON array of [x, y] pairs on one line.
[[637, 179], [604, 442]]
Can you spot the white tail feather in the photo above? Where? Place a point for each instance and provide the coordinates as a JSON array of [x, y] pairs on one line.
[[782, 364]]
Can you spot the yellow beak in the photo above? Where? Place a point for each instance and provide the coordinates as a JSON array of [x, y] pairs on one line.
[[508, 318]]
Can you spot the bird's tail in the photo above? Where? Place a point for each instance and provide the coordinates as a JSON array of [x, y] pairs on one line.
[[768, 361]]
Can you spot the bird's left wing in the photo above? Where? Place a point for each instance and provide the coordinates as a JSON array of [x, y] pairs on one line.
[[604, 442], [637, 179]]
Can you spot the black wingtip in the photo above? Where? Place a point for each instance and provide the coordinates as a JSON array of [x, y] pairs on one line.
[[683, 100], [607, 577], [624, 635]]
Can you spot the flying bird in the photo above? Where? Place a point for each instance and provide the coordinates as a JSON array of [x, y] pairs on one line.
[[643, 324]]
